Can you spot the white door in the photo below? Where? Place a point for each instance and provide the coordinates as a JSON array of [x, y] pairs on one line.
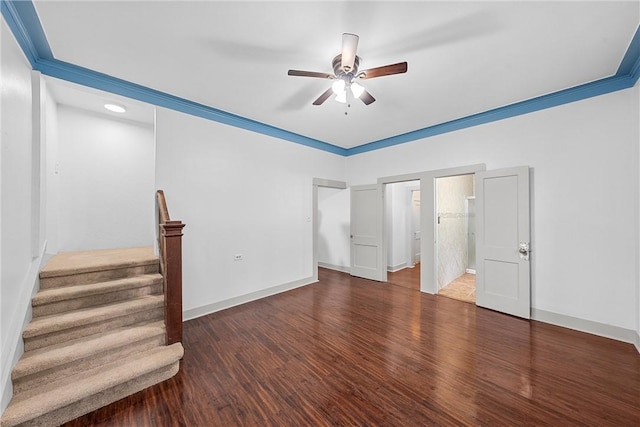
[[367, 255], [502, 239]]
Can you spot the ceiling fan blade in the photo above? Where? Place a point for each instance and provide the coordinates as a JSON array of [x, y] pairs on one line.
[[386, 70], [349, 47], [366, 97], [323, 97], [310, 74]]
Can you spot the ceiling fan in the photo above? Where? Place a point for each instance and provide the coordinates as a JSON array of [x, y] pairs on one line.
[[345, 73]]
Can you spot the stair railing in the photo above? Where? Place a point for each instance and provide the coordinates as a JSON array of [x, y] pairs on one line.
[[170, 248]]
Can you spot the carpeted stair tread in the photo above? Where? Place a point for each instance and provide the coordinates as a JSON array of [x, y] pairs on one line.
[[95, 384], [58, 322], [41, 359], [48, 296], [71, 263]]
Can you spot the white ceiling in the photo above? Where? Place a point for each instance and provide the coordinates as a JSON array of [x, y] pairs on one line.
[[464, 57], [85, 98]]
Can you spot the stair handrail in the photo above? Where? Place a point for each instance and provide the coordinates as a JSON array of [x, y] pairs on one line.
[[170, 249]]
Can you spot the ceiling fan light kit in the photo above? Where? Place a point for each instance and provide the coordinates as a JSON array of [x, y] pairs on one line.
[[345, 72]]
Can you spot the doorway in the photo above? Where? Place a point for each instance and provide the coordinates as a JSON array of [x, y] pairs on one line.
[[403, 237], [330, 225], [455, 237], [502, 213]]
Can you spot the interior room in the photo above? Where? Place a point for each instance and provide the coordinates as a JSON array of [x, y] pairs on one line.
[[256, 213]]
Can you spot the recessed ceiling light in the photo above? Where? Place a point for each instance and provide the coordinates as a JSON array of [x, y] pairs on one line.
[[116, 108]]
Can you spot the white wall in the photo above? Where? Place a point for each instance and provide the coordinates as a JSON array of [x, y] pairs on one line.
[[636, 91], [238, 192], [17, 183], [584, 186], [334, 228], [106, 182], [451, 193]]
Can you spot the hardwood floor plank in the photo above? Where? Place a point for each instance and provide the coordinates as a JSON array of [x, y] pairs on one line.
[[348, 351]]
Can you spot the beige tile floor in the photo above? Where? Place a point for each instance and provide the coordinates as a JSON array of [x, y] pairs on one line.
[[463, 288]]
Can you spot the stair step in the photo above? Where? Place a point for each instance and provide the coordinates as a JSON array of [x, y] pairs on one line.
[[76, 268], [48, 330], [49, 364], [56, 403], [67, 298]]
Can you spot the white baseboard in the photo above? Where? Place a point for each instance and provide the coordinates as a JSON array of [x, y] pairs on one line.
[[394, 268], [588, 326], [194, 313], [13, 343], [334, 267], [470, 270]]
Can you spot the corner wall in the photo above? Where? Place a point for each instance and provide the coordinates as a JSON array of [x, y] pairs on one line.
[[239, 193], [18, 264], [584, 185], [636, 91]]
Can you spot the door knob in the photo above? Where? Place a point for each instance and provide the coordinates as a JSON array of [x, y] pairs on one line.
[[523, 250]]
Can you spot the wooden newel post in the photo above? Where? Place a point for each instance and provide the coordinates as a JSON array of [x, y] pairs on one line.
[[172, 236]]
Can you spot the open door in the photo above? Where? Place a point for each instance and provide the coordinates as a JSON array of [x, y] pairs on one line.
[[367, 254], [502, 239]]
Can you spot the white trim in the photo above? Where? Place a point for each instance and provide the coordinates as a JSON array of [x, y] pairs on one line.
[[242, 299], [470, 271], [416, 176], [14, 342], [340, 268], [330, 183], [394, 268], [588, 326]]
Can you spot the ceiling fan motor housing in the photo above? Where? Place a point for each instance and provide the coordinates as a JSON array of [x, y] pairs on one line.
[[342, 73]]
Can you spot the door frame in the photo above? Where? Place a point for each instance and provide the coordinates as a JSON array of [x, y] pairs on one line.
[[428, 263], [466, 228], [385, 240], [327, 183], [429, 216]]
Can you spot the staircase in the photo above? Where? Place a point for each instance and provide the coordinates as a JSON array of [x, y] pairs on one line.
[[97, 335]]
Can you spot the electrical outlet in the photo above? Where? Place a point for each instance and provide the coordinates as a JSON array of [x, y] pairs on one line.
[[237, 257]]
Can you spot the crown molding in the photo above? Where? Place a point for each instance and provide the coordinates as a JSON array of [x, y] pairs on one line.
[[566, 96], [86, 77], [23, 21]]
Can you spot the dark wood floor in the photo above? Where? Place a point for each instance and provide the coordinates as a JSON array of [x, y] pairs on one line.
[[348, 351], [407, 277]]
